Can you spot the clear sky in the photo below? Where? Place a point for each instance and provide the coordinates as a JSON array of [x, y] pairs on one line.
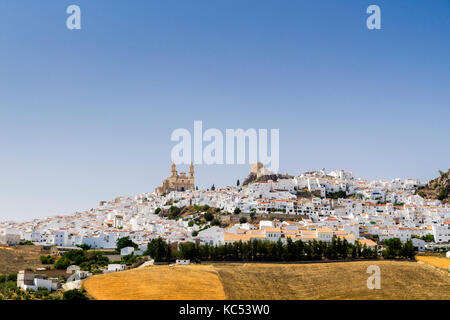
[[86, 115]]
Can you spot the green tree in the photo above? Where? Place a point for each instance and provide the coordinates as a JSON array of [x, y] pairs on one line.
[[443, 194], [26, 243], [174, 212], [428, 238], [188, 251], [392, 249], [125, 242], [243, 220], [237, 211], [344, 249], [47, 259], [74, 295], [238, 183], [291, 252], [157, 249], [331, 251], [62, 263], [129, 259], [169, 254], [407, 250], [84, 246], [337, 195], [208, 216]]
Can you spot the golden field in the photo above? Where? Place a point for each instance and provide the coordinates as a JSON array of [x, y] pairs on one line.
[[240, 281], [157, 283], [440, 262]]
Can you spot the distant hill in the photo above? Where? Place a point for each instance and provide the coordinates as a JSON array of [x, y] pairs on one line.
[[438, 188]]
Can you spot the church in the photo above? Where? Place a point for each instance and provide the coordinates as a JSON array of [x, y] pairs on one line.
[[177, 182]]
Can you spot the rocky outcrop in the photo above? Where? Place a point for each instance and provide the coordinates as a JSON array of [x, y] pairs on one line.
[[438, 188], [252, 177]]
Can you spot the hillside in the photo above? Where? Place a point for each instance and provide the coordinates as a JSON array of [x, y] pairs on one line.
[[13, 259], [242, 281], [438, 188]]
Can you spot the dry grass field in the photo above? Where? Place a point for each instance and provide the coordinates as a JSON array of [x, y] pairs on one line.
[[342, 280], [440, 262], [158, 283], [19, 258], [239, 281]]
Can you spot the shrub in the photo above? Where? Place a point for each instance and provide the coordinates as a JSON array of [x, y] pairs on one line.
[[443, 194], [208, 216], [129, 259], [215, 222], [62, 263], [174, 212], [47, 259], [26, 243], [84, 246], [74, 295]]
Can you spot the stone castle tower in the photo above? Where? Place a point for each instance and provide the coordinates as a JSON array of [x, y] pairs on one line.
[[259, 169], [177, 182]]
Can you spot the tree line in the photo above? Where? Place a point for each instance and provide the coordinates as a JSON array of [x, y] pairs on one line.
[[259, 250]]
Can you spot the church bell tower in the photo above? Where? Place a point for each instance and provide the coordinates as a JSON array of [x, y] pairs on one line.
[[191, 170]]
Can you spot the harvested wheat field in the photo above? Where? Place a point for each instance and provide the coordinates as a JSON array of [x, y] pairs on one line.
[[440, 262], [158, 283], [240, 281], [341, 280]]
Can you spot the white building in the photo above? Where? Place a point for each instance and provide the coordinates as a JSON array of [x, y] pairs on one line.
[[10, 239], [213, 236], [418, 244], [126, 251], [27, 280], [114, 267], [441, 232]]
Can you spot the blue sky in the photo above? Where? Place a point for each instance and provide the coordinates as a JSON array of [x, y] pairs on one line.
[[86, 115]]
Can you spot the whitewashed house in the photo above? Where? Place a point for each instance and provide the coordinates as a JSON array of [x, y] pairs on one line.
[[114, 267], [126, 251]]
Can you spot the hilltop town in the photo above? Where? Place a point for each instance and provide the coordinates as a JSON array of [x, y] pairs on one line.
[[337, 205]]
